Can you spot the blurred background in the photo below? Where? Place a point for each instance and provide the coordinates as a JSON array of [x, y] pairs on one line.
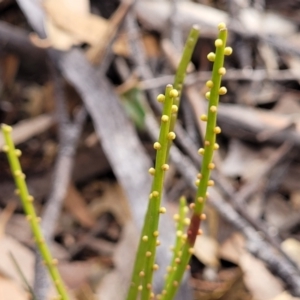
[[78, 83]]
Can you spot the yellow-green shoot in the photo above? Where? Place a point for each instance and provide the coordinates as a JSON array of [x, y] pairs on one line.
[[183, 256], [34, 221]]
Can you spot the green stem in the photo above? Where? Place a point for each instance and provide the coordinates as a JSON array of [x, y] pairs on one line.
[[33, 219], [181, 71], [144, 265], [203, 180]]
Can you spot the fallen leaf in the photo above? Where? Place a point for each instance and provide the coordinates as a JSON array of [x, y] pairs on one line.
[[292, 248], [10, 291], [207, 250]]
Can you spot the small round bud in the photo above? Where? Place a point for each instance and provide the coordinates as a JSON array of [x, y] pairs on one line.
[[179, 233], [216, 146], [149, 286], [203, 217], [155, 267], [17, 192], [157, 243], [142, 274], [140, 287], [197, 182], [162, 210], [209, 84], [156, 233], [176, 217], [175, 283], [54, 262], [145, 238], [200, 232], [200, 199], [211, 56], [217, 130], [191, 250], [164, 292], [30, 198], [201, 151], [207, 194], [213, 109], [206, 143], [148, 254], [164, 118], [171, 135], [222, 90], [18, 152], [192, 205], [174, 93], [165, 167], [210, 183], [156, 145], [174, 108], [218, 43], [222, 26], [203, 118], [222, 71], [199, 175], [211, 166], [151, 171], [160, 98], [228, 51], [177, 260], [18, 173], [187, 221], [152, 296], [207, 95], [155, 193], [5, 148], [184, 237]]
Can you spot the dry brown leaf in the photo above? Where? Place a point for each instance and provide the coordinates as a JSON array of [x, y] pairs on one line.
[[76, 205], [69, 24], [292, 248], [262, 284], [207, 250], [285, 296], [112, 201], [23, 256], [10, 291]]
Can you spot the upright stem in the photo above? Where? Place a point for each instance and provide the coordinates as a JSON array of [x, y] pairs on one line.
[[203, 181], [31, 216]]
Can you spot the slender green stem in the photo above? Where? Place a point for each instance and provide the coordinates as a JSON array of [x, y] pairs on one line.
[[144, 265], [145, 259], [33, 219], [182, 222], [181, 71], [203, 180]]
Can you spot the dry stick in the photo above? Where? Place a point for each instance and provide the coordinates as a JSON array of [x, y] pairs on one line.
[[239, 199], [232, 74], [69, 134]]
